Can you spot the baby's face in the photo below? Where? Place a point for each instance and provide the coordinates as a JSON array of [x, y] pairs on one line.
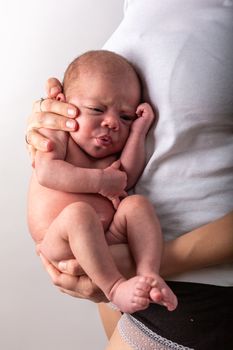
[[107, 111]]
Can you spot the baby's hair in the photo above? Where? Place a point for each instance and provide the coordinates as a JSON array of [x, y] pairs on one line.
[[106, 63]]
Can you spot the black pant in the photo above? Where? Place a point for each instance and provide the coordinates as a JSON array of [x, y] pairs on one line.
[[203, 319]]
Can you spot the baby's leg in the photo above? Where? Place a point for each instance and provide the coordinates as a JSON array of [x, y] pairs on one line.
[[136, 218], [77, 232]]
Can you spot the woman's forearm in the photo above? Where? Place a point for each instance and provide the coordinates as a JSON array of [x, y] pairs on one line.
[[209, 245]]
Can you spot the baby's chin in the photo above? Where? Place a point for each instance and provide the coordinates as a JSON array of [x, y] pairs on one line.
[[99, 152]]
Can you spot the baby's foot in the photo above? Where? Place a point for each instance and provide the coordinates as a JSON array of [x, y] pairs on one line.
[[132, 295], [160, 293]]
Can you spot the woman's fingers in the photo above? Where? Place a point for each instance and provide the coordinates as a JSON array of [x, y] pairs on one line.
[[71, 267], [53, 87], [50, 114], [85, 289], [32, 155], [38, 142], [52, 271], [59, 279], [52, 121], [56, 107], [79, 287]]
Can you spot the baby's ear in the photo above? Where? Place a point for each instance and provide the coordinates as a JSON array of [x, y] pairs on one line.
[[61, 97]]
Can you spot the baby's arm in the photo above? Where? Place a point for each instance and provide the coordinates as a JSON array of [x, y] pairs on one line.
[[133, 154], [54, 172]]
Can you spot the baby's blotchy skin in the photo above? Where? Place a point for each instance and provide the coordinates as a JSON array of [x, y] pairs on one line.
[[77, 232]]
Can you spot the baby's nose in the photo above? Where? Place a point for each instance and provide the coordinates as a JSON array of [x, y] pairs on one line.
[[111, 122]]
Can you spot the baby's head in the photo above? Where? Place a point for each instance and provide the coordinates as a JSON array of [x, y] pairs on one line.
[[106, 89], [100, 64]]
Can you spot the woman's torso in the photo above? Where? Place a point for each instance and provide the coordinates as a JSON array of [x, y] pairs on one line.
[[187, 72]]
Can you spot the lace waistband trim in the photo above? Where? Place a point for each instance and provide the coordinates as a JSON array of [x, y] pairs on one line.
[[139, 337]]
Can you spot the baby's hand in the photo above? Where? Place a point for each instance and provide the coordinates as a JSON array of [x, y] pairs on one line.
[[145, 118], [113, 182]]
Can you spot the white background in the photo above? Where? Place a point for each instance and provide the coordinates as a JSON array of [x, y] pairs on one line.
[[38, 39]]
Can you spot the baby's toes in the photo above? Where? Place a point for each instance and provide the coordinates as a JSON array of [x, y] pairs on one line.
[[141, 302], [140, 292], [169, 299], [143, 284], [156, 295]]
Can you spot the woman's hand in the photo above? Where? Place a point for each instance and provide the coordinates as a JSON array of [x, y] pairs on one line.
[[52, 114], [77, 285], [70, 278]]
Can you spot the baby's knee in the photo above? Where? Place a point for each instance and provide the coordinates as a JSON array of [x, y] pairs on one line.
[[75, 211], [79, 219], [135, 201]]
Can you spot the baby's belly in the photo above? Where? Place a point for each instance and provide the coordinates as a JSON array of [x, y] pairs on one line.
[[44, 205]]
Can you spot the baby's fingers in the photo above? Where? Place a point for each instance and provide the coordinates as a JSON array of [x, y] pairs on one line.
[[123, 194], [116, 164], [115, 202]]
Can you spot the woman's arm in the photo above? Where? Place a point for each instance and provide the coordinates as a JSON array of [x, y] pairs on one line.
[[209, 245]]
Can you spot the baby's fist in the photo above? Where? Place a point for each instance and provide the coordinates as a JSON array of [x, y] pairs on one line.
[[145, 118]]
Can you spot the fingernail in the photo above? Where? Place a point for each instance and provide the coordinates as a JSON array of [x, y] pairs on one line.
[[71, 112], [44, 144], [62, 265], [70, 124], [54, 91], [154, 283]]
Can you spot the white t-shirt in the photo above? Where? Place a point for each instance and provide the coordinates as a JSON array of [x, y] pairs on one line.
[[183, 51]]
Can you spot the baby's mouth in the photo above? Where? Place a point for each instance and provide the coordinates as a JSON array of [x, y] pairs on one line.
[[104, 140]]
